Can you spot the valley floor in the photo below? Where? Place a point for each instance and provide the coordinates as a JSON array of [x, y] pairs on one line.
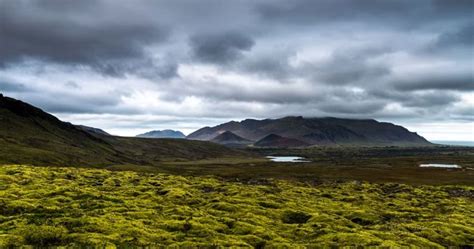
[[100, 208]]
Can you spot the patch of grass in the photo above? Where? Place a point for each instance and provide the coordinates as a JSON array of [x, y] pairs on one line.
[[99, 208]]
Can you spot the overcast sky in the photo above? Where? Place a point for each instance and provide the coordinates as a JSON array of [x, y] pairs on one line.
[[133, 66]]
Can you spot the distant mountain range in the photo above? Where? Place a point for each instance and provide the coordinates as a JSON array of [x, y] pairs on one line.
[[299, 131], [163, 134]]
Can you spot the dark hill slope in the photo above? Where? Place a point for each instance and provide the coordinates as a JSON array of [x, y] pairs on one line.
[[318, 131], [92, 130], [276, 141], [29, 135], [230, 139]]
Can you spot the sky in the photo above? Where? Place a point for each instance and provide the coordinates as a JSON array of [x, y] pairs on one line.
[[133, 66]]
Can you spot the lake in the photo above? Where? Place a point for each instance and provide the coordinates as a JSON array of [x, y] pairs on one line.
[[440, 165], [288, 159]]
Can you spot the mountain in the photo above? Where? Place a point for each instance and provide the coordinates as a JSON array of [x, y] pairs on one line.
[[29, 135], [163, 134], [318, 131], [276, 141], [230, 139], [92, 130]]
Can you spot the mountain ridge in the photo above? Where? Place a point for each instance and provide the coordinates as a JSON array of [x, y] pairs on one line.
[[323, 131]]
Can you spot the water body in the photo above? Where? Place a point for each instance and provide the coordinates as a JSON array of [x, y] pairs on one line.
[[455, 143], [288, 159], [440, 165]]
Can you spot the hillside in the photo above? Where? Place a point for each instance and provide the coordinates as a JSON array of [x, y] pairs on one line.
[[29, 135], [318, 131], [230, 139], [162, 134], [92, 130], [276, 141]]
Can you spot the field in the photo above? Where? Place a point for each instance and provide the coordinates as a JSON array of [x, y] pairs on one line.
[[79, 207], [373, 164]]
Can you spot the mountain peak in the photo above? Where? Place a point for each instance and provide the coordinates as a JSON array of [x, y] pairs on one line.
[[230, 138]]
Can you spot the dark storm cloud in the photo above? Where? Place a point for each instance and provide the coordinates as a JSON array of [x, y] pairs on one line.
[[346, 101], [424, 99], [404, 13], [71, 103], [431, 100], [350, 66], [75, 32], [458, 7], [461, 81], [367, 58], [274, 64], [244, 91], [9, 86], [307, 11], [464, 36], [220, 48], [342, 67]]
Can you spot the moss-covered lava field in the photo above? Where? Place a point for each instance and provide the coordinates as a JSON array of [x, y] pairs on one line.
[[75, 207]]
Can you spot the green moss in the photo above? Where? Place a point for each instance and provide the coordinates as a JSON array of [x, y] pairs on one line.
[[102, 209], [43, 235]]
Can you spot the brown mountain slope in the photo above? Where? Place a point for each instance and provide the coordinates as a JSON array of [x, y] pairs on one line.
[[276, 141], [230, 139]]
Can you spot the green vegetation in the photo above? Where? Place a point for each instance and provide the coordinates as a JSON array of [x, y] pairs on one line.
[[99, 208]]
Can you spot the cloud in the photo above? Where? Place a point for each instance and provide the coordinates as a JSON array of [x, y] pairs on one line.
[[220, 48], [425, 99], [393, 13], [6, 86], [462, 81], [178, 61], [350, 66], [463, 36], [85, 33]]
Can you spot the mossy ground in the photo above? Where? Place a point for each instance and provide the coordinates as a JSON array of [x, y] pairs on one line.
[[100, 208]]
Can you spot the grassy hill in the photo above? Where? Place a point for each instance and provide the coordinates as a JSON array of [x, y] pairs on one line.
[[99, 208], [29, 135]]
